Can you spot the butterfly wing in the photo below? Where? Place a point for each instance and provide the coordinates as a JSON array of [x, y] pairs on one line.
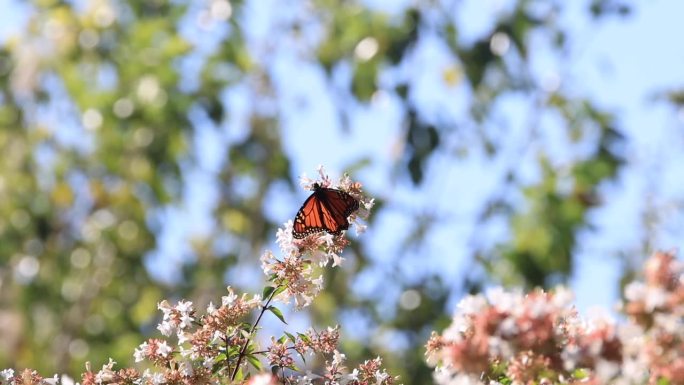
[[339, 206], [308, 219], [325, 210]]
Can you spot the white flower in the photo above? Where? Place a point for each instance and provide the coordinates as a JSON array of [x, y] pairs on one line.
[[217, 337], [360, 228], [66, 380], [229, 299], [655, 297], [634, 371], [605, 370], [186, 368], [106, 374], [52, 381], [538, 307], [444, 376], [500, 347], [354, 375], [562, 297], [261, 379], [305, 380], [504, 301], [186, 321], [165, 307], [166, 328], [285, 240], [319, 257], [345, 182], [635, 291], [318, 283], [305, 182], [472, 304], [140, 352], [184, 306], [338, 358], [158, 378], [256, 299], [381, 376], [268, 261], [164, 349], [670, 323], [508, 327], [183, 337], [459, 324], [6, 374], [337, 260]]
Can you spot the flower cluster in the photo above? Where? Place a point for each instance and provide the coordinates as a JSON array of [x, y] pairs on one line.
[[176, 318], [336, 373], [219, 346], [26, 376], [504, 327], [655, 307], [295, 270], [508, 337]]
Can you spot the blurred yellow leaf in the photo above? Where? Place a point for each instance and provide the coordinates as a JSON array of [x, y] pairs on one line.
[[62, 195]]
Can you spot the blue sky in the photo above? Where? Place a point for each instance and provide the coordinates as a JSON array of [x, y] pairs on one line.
[[620, 63]]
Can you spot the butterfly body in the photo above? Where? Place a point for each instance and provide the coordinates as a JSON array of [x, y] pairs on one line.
[[327, 209]]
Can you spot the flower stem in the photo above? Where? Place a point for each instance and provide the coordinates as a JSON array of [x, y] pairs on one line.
[[251, 331]]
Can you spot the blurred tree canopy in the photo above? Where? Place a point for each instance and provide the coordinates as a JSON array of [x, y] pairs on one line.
[[105, 110]]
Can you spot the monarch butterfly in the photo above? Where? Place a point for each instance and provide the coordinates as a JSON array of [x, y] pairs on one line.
[[326, 209]]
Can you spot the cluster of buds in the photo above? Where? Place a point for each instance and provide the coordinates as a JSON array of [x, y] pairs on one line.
[[508, 337]]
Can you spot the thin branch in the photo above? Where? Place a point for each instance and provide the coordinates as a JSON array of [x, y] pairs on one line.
[[251, 331]]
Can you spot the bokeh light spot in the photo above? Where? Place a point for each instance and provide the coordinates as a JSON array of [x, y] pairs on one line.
[[366, 48], [26, 269], [500, 43], [410, 299], [92, 119]]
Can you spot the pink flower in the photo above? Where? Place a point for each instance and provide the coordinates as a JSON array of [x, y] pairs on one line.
[[263, 379]]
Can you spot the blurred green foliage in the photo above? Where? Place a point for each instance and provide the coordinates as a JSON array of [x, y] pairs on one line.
[[99, 107]]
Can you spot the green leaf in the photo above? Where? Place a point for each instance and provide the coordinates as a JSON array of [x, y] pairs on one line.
[[254, 361], [240, 375], [277, 313], [233, 351], [267, 291], [280, 289], [304, 337], [291, 337]]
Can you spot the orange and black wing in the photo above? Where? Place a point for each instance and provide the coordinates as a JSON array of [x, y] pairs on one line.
[[340, 206], [309, 219], [325, 210]]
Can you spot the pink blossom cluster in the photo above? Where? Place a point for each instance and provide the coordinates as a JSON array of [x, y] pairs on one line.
[[220, 346], [370, 372], [538, 338]]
